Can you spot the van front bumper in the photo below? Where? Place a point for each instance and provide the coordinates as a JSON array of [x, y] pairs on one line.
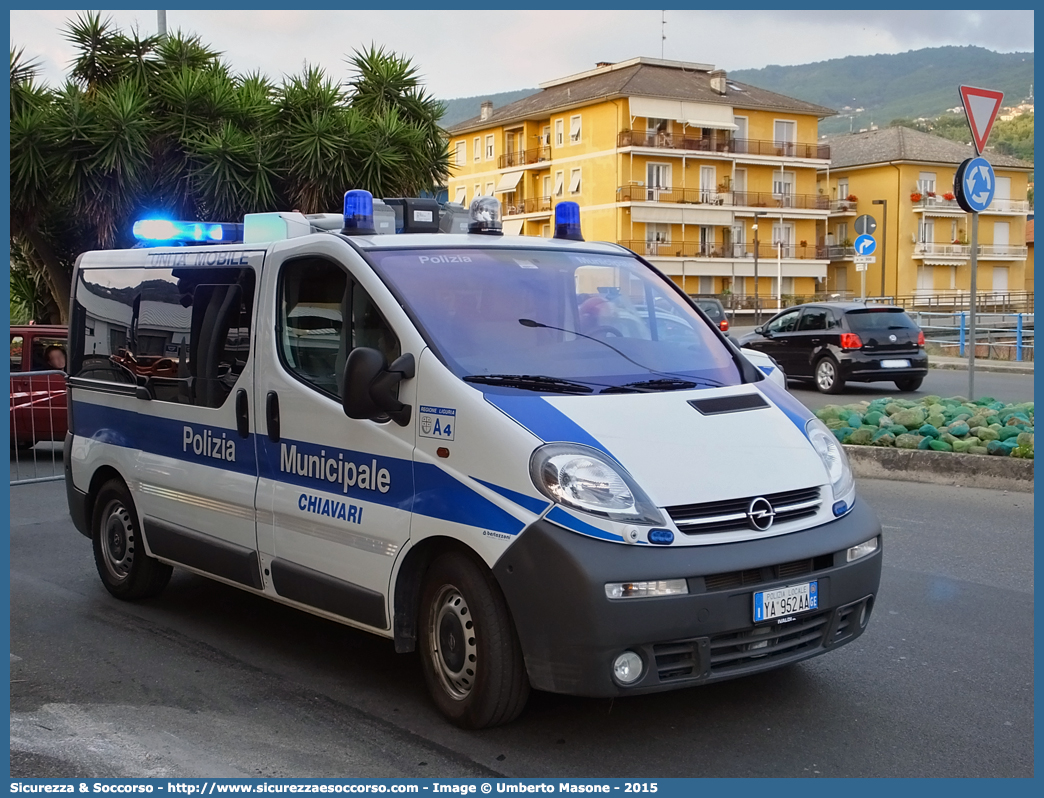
[[554, 582]]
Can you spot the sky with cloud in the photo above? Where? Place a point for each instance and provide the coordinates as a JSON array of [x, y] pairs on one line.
[[471, 52]]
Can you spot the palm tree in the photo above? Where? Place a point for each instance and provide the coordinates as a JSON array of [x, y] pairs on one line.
[[144, 126]]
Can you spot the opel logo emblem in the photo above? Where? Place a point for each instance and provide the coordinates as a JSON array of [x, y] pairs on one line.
[[760, 514], [452, 643], [891, 338]]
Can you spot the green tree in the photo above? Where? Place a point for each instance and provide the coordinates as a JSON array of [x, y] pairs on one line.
[[149, 125]]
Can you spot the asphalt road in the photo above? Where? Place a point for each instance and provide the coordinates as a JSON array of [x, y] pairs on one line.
[[207, 680], [939, 382]]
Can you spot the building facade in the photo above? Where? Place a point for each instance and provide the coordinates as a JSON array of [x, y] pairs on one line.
[[923, 236], [711, 180]]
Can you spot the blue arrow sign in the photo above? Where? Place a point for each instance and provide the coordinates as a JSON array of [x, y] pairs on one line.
[[865, 245], [978, 184]]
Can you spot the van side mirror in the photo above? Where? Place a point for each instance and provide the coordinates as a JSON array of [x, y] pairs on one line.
[[370, 385]]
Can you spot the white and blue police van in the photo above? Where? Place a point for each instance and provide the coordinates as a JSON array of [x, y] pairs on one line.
[[533, 460]]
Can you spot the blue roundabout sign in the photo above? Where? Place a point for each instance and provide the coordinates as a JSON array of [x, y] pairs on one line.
[[974, 185]]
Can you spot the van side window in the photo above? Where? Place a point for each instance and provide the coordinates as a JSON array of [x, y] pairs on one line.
[[316, 296], [183, 333]]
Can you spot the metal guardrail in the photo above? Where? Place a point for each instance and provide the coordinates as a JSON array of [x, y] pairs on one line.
[[39, 419], [953, 301], [998, 336]]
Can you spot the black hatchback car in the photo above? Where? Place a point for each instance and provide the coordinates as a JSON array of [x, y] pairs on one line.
[[838, 342]]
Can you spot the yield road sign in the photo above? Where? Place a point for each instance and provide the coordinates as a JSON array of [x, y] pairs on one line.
[[865, 245], [974, 185], [865, 224], [981, 106]]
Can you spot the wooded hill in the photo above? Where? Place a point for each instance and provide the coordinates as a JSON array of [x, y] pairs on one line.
[[918, 83]]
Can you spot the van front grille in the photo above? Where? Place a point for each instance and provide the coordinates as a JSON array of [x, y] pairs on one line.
[[731, 514]]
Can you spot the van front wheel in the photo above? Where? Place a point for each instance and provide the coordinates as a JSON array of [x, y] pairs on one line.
[[472, 659], [125, 569]]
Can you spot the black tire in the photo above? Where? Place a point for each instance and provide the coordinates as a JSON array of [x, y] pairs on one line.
[[909, 384], [470, 653], [828, 376], [125, 569]]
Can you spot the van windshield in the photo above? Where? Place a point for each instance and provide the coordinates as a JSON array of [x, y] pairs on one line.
[[580, 323]]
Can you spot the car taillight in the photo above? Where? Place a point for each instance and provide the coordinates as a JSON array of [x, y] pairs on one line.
[[920, 338], [850, 341], [723, 325]]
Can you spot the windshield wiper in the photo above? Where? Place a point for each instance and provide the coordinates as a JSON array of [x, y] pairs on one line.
[[530, 382], [656, 385]]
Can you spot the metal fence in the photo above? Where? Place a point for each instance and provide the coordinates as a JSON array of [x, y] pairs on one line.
[[39, 419], [1000, 336]]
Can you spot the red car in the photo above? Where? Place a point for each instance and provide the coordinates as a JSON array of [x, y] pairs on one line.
[[38, 401]]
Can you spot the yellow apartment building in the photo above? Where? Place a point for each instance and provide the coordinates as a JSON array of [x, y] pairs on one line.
[[671, 159], [925, 236]]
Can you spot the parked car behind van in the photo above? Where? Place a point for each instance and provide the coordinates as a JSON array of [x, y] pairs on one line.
[[38, 399], [838, 342]]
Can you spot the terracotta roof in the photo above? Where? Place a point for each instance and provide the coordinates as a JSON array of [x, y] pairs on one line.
[[905, 144], [640, 80]]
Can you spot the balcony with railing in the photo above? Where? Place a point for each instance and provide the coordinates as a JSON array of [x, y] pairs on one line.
[[940, 203], [842, 206], [711, 249], [927, 249], [708, 196], [536, 205], [725, 145], [835, 252], [1002, 251], [1008, 206], [524, 157]]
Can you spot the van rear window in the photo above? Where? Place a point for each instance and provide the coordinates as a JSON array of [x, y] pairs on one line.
[[183, 333]]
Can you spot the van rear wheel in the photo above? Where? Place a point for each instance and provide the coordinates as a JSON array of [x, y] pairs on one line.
[[125, 569], [472, 660]]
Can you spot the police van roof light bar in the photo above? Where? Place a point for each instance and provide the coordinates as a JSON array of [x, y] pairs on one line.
[[156, 232]]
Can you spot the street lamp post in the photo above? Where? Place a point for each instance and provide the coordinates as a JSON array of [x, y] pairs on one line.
[[884, 242], [757, 302]]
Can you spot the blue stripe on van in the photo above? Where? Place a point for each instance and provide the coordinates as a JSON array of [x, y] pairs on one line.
[[569, 521], [438, 495], [531, 503], [543, 419], [791, 407], [165, 437]]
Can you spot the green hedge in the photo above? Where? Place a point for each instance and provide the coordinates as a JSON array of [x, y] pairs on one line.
[[984, 426]]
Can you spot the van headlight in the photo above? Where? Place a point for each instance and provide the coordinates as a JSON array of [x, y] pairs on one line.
[[833, 456], [585, 479]]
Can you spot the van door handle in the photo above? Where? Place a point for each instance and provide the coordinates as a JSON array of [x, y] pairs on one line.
[[272, 414], [242, 414]]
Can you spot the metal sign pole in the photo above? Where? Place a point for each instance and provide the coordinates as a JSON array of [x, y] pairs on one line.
[[971, 309]]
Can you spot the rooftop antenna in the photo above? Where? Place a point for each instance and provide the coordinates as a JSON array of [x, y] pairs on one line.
[[663, 31]]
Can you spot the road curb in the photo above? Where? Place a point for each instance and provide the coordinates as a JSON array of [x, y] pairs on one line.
[[979, 366], [942, 468]]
